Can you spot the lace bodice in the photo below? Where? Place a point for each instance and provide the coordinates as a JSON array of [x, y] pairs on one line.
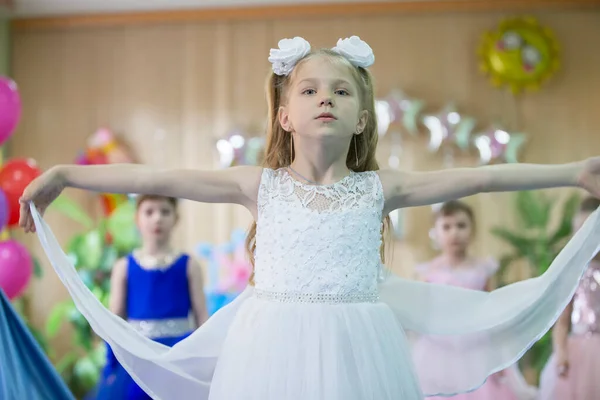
[[318, 239]]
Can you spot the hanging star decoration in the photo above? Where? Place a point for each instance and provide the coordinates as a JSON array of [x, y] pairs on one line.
[[449, 126], [498, 145], [405, 110], [383, 111], [240, 148]]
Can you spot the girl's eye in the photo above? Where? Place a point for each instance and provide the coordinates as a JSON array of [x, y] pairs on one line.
[[342, 92], [309, 91]]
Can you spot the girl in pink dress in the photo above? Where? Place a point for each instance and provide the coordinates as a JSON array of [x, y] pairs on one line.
[[572, 371], [452, 232]]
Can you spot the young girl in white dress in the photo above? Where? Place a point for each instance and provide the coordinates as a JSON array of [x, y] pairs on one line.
[[322, 319]]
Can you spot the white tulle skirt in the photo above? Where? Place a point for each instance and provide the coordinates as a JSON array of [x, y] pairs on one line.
[[256, 349], [314, 351]]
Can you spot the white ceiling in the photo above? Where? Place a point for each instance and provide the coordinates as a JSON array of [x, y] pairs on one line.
[[32, 8]]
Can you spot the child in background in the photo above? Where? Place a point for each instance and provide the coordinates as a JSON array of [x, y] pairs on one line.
[[157, 289], [572, 371], [453, 232]]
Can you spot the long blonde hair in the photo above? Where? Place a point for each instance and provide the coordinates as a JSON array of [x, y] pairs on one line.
[[279, 149]]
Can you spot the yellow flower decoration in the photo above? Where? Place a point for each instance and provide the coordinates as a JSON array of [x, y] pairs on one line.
[[520, 54]]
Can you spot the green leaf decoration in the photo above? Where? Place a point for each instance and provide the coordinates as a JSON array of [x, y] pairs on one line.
[[121, 226], [71, 209]]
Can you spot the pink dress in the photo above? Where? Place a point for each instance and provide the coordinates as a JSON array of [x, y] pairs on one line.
[[507, 385], [583, 347]]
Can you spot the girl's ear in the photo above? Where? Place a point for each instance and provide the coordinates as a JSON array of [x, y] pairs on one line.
[[362, 122], [284, 119]]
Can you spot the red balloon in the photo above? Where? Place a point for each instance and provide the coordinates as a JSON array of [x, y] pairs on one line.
[[15, 175]]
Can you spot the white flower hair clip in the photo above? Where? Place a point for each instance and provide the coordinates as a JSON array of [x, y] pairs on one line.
[[290, 51], [357, 51]]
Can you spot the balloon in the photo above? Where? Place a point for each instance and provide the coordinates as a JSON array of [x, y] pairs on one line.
[[449, 125], [238, 149], [383, 111], [4, 210], [110, 201], [495, 144], [16, 267], [14, 178], [103, 147], [405, 110], [207, 251], [217, 300], [115, 151], [254, 150], [17, 173], [520, 54], [238, 236], [228, 268], [10, 108]]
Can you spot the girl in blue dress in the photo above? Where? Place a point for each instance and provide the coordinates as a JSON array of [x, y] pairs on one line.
[[156, 289]]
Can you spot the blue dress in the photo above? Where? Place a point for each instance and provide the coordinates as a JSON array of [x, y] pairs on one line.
[[25, 371], [159, 306]]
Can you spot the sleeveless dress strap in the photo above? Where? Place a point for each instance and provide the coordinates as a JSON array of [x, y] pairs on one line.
[[266, 180]]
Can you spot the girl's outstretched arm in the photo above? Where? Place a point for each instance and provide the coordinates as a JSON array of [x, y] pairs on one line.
[[408, 189], [238, 185]]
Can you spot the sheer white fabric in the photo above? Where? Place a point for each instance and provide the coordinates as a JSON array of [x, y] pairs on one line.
[[324, 241]]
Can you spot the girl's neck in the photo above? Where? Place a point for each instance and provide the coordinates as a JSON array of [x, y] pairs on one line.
[[155, 256], [151, 248], [455, 259], [320, 165]]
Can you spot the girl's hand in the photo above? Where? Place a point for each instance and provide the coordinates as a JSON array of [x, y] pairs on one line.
[[41, 191], [589, 176], [562, 364]]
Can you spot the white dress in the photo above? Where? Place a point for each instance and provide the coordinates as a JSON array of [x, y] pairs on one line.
[[325, 321]]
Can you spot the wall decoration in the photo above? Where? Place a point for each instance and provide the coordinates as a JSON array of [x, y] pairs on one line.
[[520, 54]]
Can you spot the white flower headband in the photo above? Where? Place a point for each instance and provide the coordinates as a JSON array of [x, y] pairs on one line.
[[290, 51]]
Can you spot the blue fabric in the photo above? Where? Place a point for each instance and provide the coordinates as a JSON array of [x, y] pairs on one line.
[[151, 294], [160, 293], [116, 384], [216, 300], [25, 371]]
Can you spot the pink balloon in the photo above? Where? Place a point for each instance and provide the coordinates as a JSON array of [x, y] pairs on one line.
[[10, 108], [16, 268]]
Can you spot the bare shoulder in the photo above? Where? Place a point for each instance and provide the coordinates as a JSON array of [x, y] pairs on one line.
[[193, 268], [119, 270], [393, 182], [249, 179]]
